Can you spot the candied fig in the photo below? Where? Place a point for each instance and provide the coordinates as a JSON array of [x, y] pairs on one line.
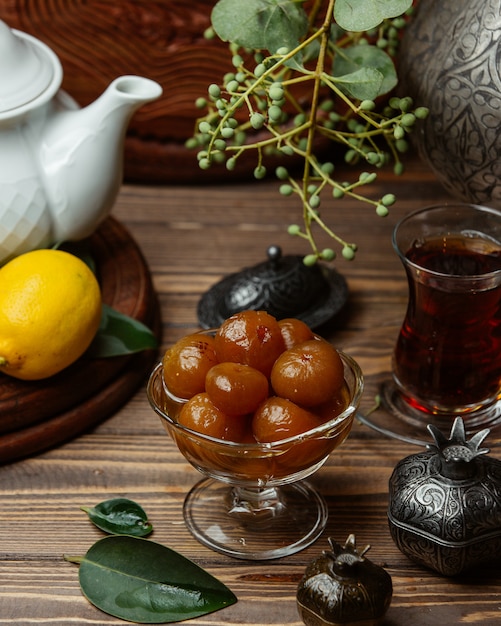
[[201, 415], [294, 331], [309, 374], [236, 389], [279, 418], [252, 338], [186, 364]]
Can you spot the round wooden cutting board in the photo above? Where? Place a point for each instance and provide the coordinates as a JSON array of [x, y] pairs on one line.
[[36, 415]]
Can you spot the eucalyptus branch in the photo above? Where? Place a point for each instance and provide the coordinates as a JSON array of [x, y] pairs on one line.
[[305, 76]]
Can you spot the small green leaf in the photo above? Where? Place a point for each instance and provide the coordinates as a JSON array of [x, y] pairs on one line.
[[349, 60], [120, 516], [360, 15], [260, 24], [145, 582], [363, 84], [120, 334]]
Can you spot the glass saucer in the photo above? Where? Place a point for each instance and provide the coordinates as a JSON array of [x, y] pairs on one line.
[[396, 419]]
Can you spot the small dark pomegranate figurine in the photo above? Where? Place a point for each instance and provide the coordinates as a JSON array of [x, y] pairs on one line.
[[343, 587], [445, 503]]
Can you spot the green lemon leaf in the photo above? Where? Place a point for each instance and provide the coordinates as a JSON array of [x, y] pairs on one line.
[[360, 15], [145, 582], [260, 24], [80, 249], [348, 61], [120, 334], [120, 516]]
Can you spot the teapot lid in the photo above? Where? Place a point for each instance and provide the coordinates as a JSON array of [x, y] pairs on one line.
[[27, 69]]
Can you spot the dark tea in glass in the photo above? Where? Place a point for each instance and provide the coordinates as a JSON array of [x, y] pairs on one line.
[[447, 359]]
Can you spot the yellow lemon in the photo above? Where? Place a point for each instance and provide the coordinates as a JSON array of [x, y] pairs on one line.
[[50, 310]]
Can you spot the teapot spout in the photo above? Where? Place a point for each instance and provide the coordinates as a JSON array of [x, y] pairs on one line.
[[132, 91], [82, 156]]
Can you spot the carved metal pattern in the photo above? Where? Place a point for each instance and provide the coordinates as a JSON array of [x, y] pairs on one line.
[[449, 523], [450, 62], [283, 286]]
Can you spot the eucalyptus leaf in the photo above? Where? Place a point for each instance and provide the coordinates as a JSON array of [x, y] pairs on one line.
[[119, 334], [260, 24], [364, 84], [349, 60], [120, 516], [145, 582], [360, 15]]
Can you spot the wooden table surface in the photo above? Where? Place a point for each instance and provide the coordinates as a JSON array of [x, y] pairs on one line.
[[192, 236]]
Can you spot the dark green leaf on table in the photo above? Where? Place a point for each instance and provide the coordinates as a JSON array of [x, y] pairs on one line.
[[120, 516], [145, 582], [120, 334]]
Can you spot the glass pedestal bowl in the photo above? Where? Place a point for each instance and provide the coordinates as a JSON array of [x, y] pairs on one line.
[[253, 502]]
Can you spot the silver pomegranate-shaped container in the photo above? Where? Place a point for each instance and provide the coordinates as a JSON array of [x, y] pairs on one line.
[[445, 503]]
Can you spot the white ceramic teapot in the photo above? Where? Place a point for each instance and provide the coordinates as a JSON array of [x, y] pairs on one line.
[[60, 165]]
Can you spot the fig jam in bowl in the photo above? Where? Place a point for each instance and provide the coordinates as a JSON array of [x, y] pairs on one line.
[[251, 463], [254, 502]]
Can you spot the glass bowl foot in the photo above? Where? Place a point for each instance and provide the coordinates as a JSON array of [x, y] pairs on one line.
[[255, 523]]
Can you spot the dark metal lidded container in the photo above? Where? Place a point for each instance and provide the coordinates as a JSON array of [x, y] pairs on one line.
[[445, 503], [342, 587], [283, 286]]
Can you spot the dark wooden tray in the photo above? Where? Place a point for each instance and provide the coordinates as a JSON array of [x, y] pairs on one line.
[[36, 415]]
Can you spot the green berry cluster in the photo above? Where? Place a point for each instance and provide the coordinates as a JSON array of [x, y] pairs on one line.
[[276, 104]]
